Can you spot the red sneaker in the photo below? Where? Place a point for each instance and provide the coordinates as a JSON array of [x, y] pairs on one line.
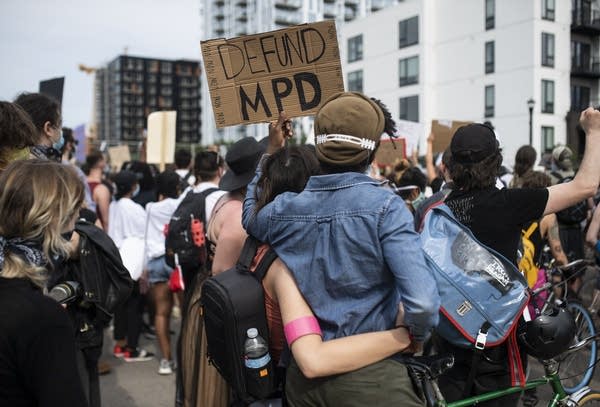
[[119, 351]]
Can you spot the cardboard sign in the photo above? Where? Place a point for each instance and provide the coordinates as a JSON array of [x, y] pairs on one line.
[[412, 132], [118, 155], [252, 78], [160, 144], [390, 152], [443, 130]]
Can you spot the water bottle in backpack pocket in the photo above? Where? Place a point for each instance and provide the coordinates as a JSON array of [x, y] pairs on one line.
[[257, 360]]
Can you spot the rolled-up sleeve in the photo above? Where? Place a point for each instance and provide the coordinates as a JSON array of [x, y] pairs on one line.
[[404, 256]]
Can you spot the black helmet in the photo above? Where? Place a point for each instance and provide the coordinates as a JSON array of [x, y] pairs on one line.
[[549, 334]]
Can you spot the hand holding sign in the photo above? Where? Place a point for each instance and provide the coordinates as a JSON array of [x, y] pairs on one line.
[[279, 131]]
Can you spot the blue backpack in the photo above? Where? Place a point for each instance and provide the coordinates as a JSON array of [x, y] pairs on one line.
[[482, 294]]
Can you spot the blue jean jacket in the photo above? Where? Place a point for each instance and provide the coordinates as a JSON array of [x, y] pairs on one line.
[[352, 249]]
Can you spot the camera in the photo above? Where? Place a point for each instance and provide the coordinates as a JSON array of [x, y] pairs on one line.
[[66, 292]]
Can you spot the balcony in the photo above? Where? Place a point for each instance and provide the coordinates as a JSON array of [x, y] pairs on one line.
[[585, 21], [329, 10], [288, 4], [588, 68], [287, 18], [378, 4]]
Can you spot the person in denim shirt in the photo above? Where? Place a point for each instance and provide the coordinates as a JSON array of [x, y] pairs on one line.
[[349, 243]]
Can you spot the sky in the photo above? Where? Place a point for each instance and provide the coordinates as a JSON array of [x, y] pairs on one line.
[[43, 39]]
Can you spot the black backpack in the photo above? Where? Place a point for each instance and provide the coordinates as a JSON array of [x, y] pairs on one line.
[[105, 280], [185, 237], [232, 302], [573, 214]]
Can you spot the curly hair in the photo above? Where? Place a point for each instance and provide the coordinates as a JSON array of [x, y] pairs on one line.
[[287, 170], [481, 175]]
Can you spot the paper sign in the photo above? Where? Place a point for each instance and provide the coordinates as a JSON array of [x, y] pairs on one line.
[[252, 78], [389, 153], [412, 132], [118, 155], [160, 144], [443, 130]]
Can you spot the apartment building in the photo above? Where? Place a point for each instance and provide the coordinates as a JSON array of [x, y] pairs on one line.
[[232, 18], [129, 88], [482, 60]]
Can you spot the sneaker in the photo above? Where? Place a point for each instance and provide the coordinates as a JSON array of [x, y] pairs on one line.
[[166, 367], [137, 355], [118, 351]]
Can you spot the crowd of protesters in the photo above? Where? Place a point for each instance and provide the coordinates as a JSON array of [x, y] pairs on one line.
[[345, 229]]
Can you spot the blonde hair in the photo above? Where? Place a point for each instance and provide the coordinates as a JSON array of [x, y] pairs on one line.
[[38, 198]]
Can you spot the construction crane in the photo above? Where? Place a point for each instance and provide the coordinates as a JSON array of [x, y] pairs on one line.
[[87, 69]]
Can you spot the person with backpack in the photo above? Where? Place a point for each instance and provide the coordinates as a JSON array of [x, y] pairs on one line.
[[349, 242], [39, 204], [496, 218], [183, 168]]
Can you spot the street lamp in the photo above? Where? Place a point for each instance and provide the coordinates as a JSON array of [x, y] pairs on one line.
[[530, 104]]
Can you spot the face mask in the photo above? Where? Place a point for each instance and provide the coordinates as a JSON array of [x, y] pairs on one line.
[[136, 191], [419, 200], [60, 143]]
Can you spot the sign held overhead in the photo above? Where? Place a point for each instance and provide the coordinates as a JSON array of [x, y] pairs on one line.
[[252, 78]]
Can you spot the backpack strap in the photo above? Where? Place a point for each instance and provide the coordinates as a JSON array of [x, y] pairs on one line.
[[527, 233], [477, 354], [265, 263], [248, 252]]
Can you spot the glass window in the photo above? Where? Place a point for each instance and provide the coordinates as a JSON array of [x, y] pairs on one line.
[[409, 71], [355, 81], [489, 101], [409, 32], [547, 138], [548, 8], [489, 57], [580, 56], [355, 48], [490, 14], [547, 49], [409, 108], [547, 96], [580, 98]]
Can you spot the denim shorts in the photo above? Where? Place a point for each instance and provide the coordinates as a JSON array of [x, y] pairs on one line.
[[158, 270]]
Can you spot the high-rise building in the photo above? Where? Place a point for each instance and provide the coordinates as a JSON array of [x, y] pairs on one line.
[[129, 88], [232, 18], [482, 60]]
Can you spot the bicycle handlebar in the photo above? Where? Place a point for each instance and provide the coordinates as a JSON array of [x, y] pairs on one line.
[[582, 343]]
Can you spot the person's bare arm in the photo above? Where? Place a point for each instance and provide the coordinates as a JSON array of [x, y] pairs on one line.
[[586, 180], [431, 173], [231, 236], [549, 230], [102, 198], [591, 237], [317, 358]]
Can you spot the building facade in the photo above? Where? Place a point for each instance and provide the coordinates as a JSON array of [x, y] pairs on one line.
[[129, 88], [481, 60], [232, 18]]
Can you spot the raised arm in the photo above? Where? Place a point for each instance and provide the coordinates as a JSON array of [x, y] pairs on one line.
[[591, 236], [549, 229], [430, 165], [317, 358], [586, 180]]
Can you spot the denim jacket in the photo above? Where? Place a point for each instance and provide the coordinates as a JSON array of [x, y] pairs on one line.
[[352, 249]]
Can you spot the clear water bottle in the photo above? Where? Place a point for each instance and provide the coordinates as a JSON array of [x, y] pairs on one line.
[[256, 350]]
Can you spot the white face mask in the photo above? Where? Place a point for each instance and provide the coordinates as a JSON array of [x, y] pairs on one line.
[[418, 200]]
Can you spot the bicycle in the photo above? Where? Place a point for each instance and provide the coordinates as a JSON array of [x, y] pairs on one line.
[[427, 369], [577, 367]]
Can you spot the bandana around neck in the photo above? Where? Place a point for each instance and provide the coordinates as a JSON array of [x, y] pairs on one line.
[[31, 251]]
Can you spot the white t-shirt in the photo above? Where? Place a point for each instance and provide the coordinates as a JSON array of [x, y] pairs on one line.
[[126, 219], [212, 199], [158, 214]]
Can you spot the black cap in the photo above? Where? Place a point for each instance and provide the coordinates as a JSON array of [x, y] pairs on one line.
[[473, 143], [241, 159]]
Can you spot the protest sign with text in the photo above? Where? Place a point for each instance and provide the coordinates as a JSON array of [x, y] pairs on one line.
[[252, 78]]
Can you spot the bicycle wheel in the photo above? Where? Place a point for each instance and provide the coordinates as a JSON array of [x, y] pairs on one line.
[[577, 368], [590, 399]]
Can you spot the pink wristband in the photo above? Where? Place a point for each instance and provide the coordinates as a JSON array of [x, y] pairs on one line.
[[301, 327]]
